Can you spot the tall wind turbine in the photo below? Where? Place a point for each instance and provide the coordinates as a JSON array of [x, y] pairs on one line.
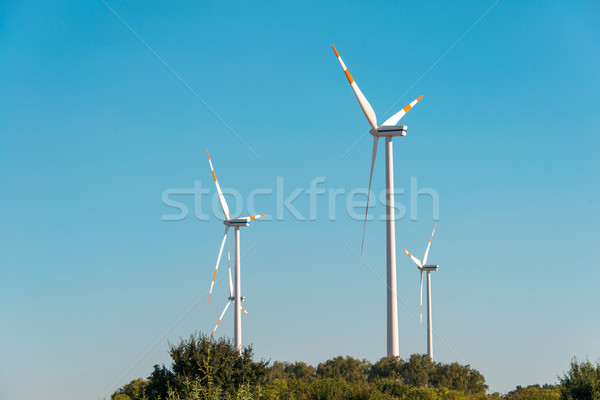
[[235, 293], [388, 129], [423, 267]]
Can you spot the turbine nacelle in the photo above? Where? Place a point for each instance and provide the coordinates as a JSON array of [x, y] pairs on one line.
[[389, 130], [429, 267], [244, 221]]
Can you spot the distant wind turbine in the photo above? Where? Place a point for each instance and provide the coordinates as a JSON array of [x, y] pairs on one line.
[[236, 294], [428, 268], [388, 130]]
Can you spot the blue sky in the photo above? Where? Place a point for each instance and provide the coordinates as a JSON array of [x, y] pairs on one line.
[[94, 128]]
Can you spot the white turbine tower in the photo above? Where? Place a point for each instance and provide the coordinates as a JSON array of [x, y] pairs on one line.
[[427, 268], [388, 130], [235, 293]]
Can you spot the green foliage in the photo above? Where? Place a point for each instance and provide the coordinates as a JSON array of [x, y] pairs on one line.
[[386, 367], [134, 390], [159, 383], [534, 392], [458, 377], [204, 369], [417, 370], [400, 390], [300, 370], [285, 370], [320, 389], [420, 371], [348, 368], [202, 359], [581, 382]]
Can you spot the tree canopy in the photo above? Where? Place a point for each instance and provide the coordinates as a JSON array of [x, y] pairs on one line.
[[203, 368]]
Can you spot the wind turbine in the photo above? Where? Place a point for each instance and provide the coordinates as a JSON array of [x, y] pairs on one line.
[[236, 294], [423, 267], [388, 129]]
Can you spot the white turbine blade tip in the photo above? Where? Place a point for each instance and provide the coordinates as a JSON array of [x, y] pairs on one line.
[[362, 100], [415, 259], [394, 119], [219, 192], [220, 318]]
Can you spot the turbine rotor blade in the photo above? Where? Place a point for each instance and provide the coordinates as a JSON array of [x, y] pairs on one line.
[[253, 217], [245, 311], [220, 318], [362, 100], [375, 140], [230, 281], [428, 244], [415, 259], [421, 303], [217, 266], [220, 193], [393, 120]]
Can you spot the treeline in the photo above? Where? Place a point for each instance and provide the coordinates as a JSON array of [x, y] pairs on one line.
[[212, 369]]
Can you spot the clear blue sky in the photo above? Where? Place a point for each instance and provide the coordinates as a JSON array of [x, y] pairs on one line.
[[94, 128]]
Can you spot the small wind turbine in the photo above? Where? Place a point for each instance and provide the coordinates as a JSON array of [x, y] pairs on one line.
[[236, 294], [428, 268], [388, 130]]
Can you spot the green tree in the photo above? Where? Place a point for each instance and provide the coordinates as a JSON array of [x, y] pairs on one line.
[[581, 382], [458, 377], [230, 370], [348, 368], [202, 368], [416, 371], [386, 367], [276, 371], [300, 370], [134, 390], [159, 382], [285, 370]]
